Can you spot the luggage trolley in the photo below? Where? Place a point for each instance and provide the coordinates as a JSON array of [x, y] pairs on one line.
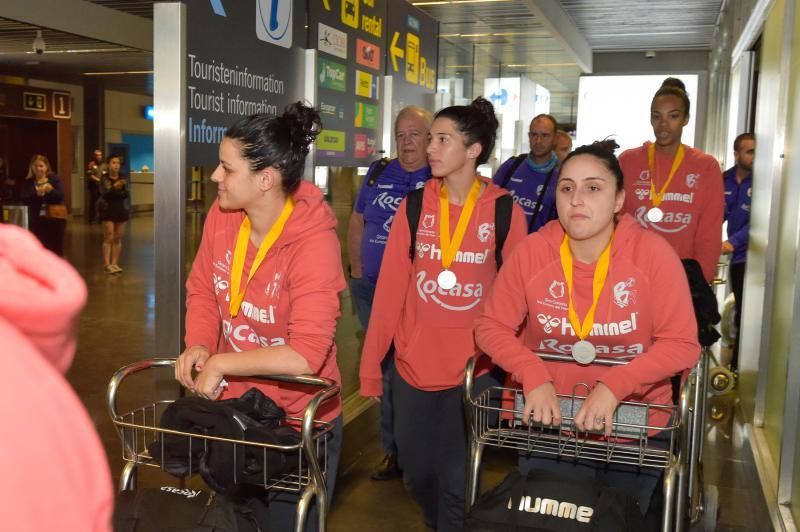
[[499, 426], [139, 428]]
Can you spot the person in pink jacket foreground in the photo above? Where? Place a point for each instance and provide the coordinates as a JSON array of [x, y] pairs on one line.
[[53, 470]]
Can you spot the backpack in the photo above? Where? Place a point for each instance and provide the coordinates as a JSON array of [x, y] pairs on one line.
[[544, 501], [377, 171], [502, 221], [538, 206]]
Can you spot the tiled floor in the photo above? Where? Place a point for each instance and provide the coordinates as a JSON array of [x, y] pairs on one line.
[[117, 327]]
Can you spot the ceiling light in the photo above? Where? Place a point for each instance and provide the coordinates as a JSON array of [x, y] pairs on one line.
[[516, 66], [455, 2], [38, 43]]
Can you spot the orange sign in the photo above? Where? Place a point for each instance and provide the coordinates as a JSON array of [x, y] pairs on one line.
[[368, 54]]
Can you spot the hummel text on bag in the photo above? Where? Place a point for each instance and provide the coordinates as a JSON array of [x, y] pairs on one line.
[[567, 510]]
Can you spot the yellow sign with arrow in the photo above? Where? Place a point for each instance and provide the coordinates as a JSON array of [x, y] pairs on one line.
[[417, 70]]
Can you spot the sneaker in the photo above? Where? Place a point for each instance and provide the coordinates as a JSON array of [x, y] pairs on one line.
[[388, 470], [109, 268], [117, 268]]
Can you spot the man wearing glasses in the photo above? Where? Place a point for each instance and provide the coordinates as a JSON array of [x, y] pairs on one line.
[[531, 178]]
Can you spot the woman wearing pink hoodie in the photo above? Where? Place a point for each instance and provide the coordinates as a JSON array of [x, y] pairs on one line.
[[262, 297], [53, 469], [426, 308], [592, 284]]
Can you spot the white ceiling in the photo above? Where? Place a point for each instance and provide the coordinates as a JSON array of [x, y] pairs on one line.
[[505, 37], [479, 39]]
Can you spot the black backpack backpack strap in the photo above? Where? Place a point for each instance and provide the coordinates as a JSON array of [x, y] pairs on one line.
[[517, 161], [502, 224], [413, 212], [377, 170], [540, 199]]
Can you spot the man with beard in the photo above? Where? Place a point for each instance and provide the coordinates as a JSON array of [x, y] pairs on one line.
[[530, 178], [738, 195]]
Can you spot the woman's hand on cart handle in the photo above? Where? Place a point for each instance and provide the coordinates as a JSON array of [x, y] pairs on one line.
[[597, 410], [194, 357], [210, 382], [542, 404]]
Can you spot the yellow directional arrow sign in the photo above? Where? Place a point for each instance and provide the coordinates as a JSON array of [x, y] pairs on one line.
[[395, 51]]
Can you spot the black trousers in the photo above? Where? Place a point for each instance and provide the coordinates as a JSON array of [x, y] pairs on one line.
[[49, 232], [431, 435], [737, 284], [92, 195]]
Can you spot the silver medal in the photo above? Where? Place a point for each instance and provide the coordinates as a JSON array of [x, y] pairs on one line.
[[446, 279], [583, 352], [655, 215]]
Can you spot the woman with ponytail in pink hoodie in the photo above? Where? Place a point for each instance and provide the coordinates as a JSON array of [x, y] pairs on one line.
[[262, 297]]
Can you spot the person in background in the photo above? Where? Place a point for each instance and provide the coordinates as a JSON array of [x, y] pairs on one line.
[[563, 145], [674, 189], [592, 270], [384, 187], [429, 292], [738, 196], [113, 213], [95, 170], [280, 318], [530, 178], [43, 188], [7, 190], [55, 475]]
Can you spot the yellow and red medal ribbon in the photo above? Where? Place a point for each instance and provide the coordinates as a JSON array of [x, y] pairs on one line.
[[239, 254], [657, 197], [451, 246], [582, 330]]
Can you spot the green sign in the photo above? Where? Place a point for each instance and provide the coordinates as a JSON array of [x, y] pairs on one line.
[[332, 75], [34, 101], [366, 115], [330, 140]]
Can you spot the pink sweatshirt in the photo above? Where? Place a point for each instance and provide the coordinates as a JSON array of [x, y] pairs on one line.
[[693, 206], [431, 327], [644, 315], [54, 470], [293, 299]]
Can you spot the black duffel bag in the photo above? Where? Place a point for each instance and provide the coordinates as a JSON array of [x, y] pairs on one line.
[[170, 509], [548, 502], [253, 417]]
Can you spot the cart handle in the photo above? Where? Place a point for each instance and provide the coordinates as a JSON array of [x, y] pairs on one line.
[[469, 373], [329, 387]]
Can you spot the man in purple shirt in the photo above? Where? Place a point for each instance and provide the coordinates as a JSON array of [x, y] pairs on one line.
[[386, 184], [738, 194], [531, 178]]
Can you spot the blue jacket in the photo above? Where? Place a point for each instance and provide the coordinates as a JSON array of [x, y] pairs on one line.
[[525, 186], [378, 203], [737, 212]]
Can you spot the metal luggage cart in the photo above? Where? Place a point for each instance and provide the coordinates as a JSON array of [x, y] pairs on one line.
[[139, 428], [494, 422]]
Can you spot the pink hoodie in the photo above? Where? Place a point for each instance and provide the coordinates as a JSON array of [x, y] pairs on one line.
[[54, 473], [292, 299], [431, 327], [693, 205], [644, 315]]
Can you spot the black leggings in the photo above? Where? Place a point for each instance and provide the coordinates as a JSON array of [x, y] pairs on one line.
[[431, 436]]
